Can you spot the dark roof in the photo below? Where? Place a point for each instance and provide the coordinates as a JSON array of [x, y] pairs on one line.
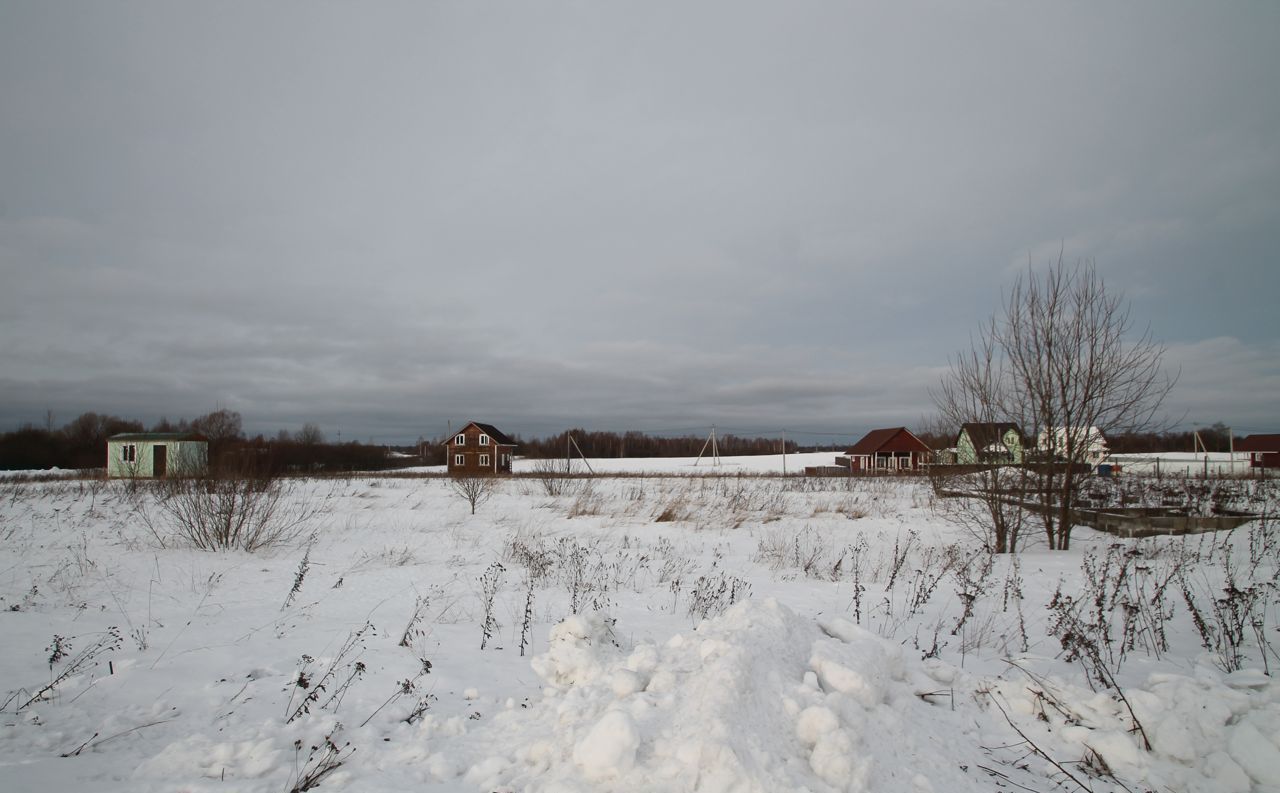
[[1258, 443], [983, 435], [877, 440], [488, 429], [158, 436]]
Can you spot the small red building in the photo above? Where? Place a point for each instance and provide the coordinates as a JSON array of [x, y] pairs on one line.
[[1264, 450], [891, 449], [478, 449]]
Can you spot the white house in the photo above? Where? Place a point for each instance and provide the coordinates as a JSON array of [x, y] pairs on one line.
[[1089, 440], [157, 454]]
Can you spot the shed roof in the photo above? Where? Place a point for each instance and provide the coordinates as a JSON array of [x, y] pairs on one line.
[[899, 438], [159, 436]]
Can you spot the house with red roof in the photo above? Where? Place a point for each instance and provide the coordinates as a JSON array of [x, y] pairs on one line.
[[1264, 450], [889, 449]]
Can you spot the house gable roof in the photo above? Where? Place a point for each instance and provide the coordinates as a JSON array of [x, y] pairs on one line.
[[984, 435], [1259, 443], [498, 436], [900, 438]]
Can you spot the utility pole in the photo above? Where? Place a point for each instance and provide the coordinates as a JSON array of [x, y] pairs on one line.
[[784, 452], [715, 450], [582, 456]]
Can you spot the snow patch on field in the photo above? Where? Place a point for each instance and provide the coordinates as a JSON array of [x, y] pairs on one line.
[[762, 699]]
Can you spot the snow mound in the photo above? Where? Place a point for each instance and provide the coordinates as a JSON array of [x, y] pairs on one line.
[[757, 699], [761, 699], [580, 648], [1211, 732]]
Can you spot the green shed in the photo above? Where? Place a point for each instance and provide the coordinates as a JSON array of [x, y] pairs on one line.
[[157, 454]]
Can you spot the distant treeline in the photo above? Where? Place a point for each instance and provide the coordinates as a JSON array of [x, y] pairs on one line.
[[1216, 438], [638, 444], [82, 443]]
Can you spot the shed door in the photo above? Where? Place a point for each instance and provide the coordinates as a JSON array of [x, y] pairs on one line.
[[159, 460]]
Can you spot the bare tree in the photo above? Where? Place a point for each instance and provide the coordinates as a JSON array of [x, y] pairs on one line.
[[309, 435], [220, 427], [475, 490], [223, 428], [1059, 359], [977, 388]]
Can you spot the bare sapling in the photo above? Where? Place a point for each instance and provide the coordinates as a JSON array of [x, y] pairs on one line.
[[475, 490]]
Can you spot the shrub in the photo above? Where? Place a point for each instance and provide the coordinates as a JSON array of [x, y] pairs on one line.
[[231, 511]]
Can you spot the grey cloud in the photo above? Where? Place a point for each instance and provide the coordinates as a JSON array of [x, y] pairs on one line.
[[388, 217]]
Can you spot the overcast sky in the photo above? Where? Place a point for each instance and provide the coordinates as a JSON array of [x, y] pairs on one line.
[[385, 217]]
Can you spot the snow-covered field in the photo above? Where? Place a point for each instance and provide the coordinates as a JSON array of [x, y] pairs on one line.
[[757, 464], [737, 633]]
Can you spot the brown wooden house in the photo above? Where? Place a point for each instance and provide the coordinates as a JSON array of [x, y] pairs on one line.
[[890, 449], [479, 449], [1264, 450]]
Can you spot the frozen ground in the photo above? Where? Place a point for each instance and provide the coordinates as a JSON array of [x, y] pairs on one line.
[[737, 633]]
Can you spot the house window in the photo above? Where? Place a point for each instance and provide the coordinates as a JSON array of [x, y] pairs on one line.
[[458, 459], [484, 440], [484, 459], [460, 440], [129, 453]]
